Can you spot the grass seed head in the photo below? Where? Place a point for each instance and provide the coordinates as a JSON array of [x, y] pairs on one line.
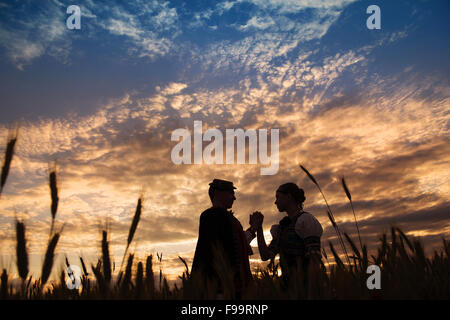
[[347, 192], [7, 161], [22, 254]]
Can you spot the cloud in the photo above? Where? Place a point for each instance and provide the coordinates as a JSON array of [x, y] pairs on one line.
[[173, 88], [293, 6], [387, 134], [149, 26], [258, 23], [40, 31], [225, 6], [394, 164], [120, 28], [145, 28]]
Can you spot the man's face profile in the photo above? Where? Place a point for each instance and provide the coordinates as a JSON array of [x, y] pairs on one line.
[[224, 197]]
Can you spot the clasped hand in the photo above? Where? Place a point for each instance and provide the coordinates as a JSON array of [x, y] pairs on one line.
[[256, 220]]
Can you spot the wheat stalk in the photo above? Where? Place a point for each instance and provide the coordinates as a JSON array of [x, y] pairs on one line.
[[4, 285], [149, 278], [133, 227], [126, 282], [134, 223], [129, 268], [106, 261], [139, 279], [83, 265], [7, 161], [49, 257], [330, 213], [349, 196], [21, 250], [186, 266], [336, 256], [54, 195]]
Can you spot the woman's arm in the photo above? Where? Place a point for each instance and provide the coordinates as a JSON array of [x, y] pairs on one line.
[[264, 251]]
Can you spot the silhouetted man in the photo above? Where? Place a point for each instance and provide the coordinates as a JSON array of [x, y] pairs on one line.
[[223, 247]]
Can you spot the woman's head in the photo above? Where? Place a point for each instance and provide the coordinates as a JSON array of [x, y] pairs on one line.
[[288, 195]]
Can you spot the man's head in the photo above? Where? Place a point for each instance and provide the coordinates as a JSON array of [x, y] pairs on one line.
[[288, 195], [221, 193]]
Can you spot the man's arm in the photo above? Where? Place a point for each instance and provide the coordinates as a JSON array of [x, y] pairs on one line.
[[250, 234]]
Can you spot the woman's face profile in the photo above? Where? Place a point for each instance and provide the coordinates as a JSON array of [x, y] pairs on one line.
[[281, 201]]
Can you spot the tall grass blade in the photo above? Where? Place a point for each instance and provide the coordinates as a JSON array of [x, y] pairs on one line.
[[186, 266], [133, 227], [4, 285], [349, 196], [49, 257], [446, 247], [365, 258], [21, 250], [333, 223], [54, 196], [7, 161], [310, 176], [126, 281], [134, 224], [99, 277], [404, 237], [139, 280], [83, 265], [336, 256], [106, 260], [352, 245], [149, 277], [330, 213], [128, 269], [394, 241], [29, 281]]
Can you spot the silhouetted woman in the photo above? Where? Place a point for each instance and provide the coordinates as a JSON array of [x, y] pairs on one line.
[[296, 238]]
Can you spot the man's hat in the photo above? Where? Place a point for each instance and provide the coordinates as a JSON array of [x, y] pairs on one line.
[[222, 185]]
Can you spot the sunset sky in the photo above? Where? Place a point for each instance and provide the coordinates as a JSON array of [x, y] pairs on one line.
[[103, 101]]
